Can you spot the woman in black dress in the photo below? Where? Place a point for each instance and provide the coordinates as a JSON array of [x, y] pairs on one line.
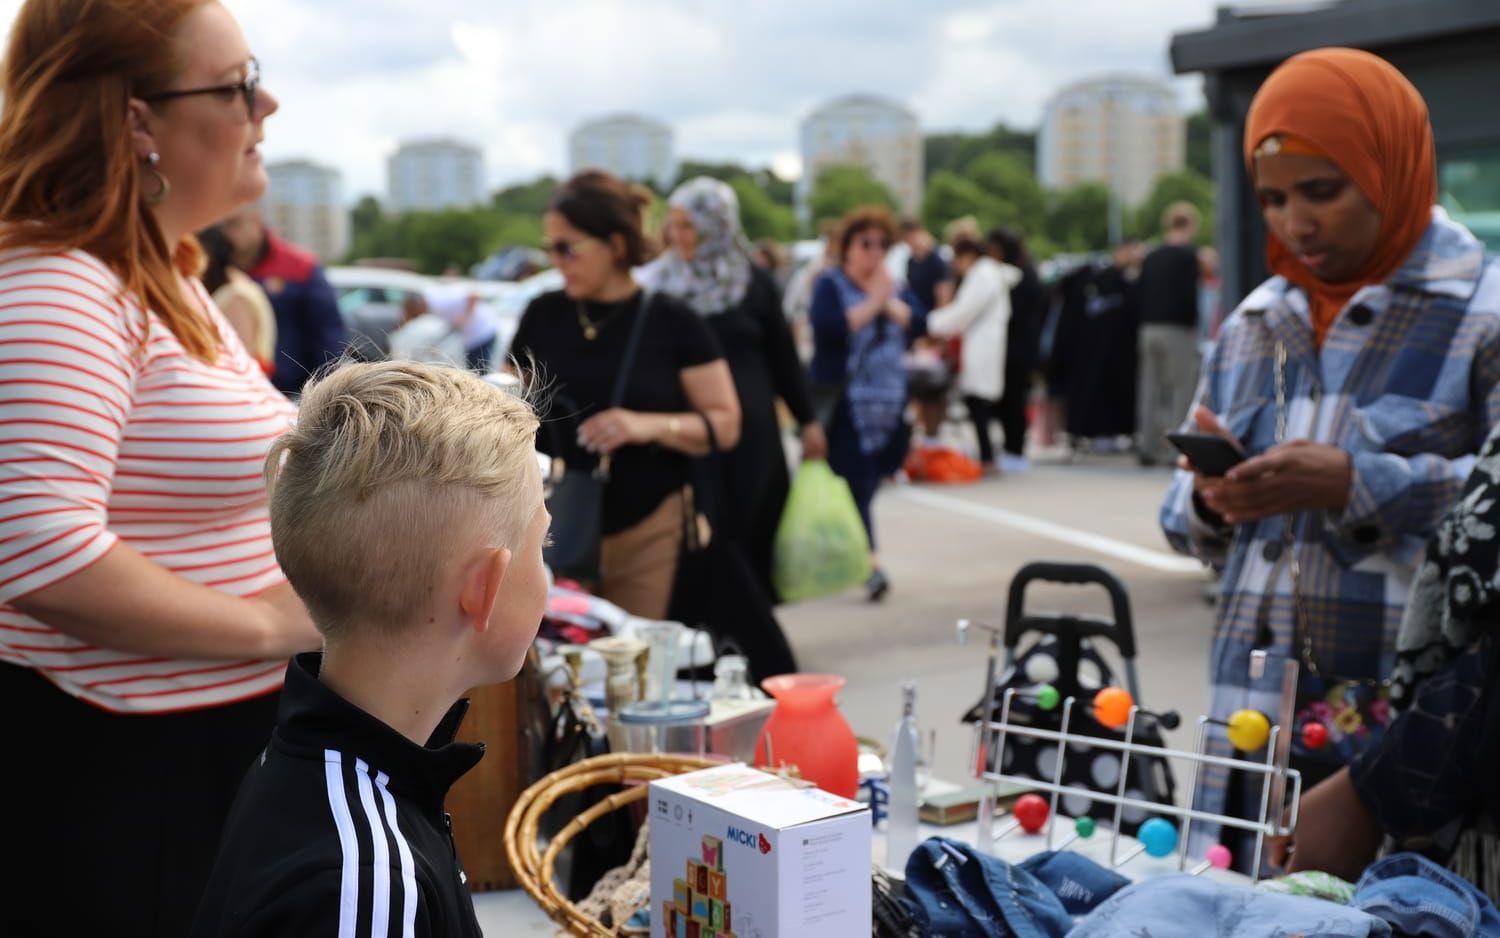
[[573, 342], [708, 266]]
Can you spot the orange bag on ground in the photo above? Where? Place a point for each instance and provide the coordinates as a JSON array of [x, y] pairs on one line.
[[941, 465]]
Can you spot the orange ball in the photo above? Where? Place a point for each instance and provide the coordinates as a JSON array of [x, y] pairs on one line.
[[1112, 706]]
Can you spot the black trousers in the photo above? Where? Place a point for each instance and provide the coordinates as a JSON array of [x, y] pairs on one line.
[[111, 822], [1013, 408], [981, 412]]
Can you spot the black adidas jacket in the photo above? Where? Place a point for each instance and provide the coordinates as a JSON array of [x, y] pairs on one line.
[[339, 828]]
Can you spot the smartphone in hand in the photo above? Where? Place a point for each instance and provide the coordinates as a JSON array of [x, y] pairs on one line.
[[1210, 453]]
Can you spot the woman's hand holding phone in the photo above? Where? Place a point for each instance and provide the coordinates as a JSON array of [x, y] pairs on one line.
[[1298, 475]]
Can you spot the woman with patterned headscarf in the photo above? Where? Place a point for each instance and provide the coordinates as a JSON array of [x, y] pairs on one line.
[[1360, 380], [707, 265]]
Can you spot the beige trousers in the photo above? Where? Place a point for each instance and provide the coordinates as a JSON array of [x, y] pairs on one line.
[[638, 566]]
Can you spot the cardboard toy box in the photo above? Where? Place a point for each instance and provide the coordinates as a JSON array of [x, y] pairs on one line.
[[740, 853]]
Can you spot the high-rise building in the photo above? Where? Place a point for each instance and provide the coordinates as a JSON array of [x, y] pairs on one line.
[[626, 145], [305, 204], [1119, 130], [863, 130], [429, 175]]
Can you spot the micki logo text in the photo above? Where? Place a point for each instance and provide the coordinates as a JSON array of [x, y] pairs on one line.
[[749, 839]]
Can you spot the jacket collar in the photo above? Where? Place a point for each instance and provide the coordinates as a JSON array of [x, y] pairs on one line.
[[312, 718]]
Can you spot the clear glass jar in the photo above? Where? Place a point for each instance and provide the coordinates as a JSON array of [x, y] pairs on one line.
[[731, 679]]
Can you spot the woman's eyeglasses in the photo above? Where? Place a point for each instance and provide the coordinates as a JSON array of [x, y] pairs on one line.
[[246, 88], [873, 244]]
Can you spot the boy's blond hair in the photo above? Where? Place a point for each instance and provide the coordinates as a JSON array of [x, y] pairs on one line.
[[393, 469]]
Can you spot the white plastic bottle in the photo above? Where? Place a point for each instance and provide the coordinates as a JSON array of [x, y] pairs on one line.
[[901, 823]]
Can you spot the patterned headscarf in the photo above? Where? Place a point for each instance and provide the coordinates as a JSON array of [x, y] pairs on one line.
[[717, 277]]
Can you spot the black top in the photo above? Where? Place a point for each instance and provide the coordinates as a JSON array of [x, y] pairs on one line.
[[1028, 313], [924, 275], [579, 377], [761, 352], [1167, 291], [339, 825]]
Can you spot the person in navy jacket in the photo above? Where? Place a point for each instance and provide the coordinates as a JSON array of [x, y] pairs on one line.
[[310, 333]]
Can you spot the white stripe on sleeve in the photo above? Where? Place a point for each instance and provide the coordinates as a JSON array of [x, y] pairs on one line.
[[333, 771], [380, 857], [408, 869]]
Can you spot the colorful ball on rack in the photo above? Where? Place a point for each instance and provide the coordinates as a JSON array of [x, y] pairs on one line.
[[1031, 811], [1158, 836], [1084, 827], [1248, 730], [1219, 857], [1314, 735], [1112, 706], [1047, 697]]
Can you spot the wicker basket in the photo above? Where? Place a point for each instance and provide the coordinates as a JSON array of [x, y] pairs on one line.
[[534, 868]]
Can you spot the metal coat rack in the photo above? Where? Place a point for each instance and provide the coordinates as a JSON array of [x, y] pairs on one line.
[[1277, 816]]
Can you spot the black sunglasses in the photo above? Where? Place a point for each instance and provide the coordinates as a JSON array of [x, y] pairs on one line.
[[245, 88], [566, 250]]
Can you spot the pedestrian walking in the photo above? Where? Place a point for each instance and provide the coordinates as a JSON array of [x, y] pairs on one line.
[[1167, 293], [707, 265], [980, 314], [1028, 312], [862, 323]]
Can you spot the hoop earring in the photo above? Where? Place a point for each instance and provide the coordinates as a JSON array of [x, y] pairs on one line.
[[164, 188]]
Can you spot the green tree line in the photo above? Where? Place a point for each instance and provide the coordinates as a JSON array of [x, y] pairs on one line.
[[988, 176]]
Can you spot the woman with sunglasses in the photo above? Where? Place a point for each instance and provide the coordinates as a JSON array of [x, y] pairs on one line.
[[573, 343], [144, 623], [862, 320]]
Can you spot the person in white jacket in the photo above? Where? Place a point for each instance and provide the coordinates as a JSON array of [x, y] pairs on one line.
[[980, 313]]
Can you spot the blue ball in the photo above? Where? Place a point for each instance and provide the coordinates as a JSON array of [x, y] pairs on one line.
[[1158, 836]]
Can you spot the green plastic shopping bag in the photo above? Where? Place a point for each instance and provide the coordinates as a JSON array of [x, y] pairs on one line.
[[821, 546]]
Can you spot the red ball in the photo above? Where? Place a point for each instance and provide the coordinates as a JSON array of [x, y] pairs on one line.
[[1314, 736], [1031, 811]]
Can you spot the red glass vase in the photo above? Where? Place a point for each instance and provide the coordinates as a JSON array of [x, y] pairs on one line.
[[807, 730]]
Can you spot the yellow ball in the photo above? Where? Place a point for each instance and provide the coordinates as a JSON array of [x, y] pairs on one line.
[[1248, 730]]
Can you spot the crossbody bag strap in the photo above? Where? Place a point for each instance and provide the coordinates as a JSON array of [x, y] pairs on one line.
[[627, 365], [632, 346]]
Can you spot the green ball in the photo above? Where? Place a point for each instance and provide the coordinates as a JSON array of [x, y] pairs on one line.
[[1047, 697], [1084, 826]]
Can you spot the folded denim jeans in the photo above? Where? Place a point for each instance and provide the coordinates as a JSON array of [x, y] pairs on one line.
[[1418, 897], [1184, 906], [955, 891], [1078, 882]]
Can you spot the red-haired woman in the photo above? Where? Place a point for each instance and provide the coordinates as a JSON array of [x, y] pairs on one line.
[[144, 623]]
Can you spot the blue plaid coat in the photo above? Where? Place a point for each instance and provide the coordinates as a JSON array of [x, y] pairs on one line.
[[1406, 381]]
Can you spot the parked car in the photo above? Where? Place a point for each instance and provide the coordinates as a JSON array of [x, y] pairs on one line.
[[370, 300]]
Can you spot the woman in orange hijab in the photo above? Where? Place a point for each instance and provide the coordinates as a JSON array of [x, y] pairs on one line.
[[1358, 381]]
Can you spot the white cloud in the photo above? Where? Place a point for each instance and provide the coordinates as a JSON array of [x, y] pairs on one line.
[[733, 78]]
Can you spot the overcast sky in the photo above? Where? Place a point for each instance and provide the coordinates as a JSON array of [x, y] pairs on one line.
[[733, 77]]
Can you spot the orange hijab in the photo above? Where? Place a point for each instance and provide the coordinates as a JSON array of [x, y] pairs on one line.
[[1356, 110]]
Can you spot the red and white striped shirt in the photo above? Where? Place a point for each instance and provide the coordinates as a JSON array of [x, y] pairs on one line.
[[110, 432]]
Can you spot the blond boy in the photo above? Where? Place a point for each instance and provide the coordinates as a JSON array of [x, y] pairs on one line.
[[406, 510]]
